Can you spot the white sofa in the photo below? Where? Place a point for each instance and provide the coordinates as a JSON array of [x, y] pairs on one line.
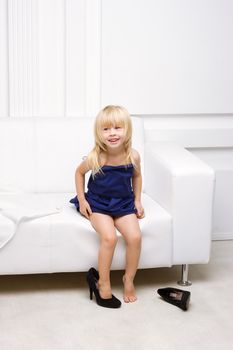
[[41, 232]]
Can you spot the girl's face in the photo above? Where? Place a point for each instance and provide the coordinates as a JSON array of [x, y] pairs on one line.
[[113, 136]]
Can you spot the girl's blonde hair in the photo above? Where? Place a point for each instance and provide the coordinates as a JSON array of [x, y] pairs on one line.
[[110, 116]]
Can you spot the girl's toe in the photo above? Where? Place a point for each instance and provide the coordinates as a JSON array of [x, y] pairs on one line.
[[133, 298]]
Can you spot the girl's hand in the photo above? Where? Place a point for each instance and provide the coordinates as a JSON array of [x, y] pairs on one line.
[[140, 210], [84, 208]]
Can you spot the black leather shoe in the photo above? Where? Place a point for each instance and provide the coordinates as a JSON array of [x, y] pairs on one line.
[[92, 279], [177, 297]]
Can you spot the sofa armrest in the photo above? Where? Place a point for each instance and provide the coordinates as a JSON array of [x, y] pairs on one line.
[[183, 185]]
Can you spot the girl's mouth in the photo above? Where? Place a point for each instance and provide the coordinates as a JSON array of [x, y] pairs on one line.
[[113, 140]]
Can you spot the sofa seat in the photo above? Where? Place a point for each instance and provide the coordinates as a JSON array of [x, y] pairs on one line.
[[49, 235]]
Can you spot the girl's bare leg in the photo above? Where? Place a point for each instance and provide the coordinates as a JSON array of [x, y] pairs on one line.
[[129, 228], [104, 226]]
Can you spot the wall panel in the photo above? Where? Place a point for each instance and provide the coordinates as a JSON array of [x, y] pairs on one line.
[[51, 57], [3, 59], [168, 57], [75, 57], [23, 57], [83, 57]]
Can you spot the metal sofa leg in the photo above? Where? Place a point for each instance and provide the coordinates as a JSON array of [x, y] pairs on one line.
[[184, 276]]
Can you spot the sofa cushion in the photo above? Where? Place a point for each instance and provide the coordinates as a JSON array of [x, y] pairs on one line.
[[60, 147], [17, 155]]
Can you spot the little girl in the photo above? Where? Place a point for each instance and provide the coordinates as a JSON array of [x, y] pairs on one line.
[[113, 201]]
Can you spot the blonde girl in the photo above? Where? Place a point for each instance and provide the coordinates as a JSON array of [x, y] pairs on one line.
[[113, 201]]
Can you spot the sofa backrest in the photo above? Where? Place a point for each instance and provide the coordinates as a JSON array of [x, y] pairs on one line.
[[41, 154]]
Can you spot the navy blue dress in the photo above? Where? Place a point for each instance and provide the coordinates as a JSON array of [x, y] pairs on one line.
[[111, 192]]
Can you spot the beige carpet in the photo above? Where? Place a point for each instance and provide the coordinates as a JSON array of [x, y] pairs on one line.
[[53, 312]]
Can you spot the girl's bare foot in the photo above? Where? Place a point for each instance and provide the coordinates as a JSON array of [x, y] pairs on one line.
[[129, 290]]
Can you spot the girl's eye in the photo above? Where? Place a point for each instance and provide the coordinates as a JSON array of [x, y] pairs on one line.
[[105, 129], [117, 127]]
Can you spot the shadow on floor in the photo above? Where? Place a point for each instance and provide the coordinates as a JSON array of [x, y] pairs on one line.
[[66, 281]]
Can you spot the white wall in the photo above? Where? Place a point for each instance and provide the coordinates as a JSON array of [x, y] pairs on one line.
[[169, 61], [168, 56]]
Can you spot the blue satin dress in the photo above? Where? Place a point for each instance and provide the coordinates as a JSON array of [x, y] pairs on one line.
[[111, 192]]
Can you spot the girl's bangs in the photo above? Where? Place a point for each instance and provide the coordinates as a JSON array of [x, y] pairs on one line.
[[113, 119]]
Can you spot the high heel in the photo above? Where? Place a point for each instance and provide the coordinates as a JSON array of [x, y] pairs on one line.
[[91, 293], [94, 273], [96, 277], [175, 296], [92, 279]]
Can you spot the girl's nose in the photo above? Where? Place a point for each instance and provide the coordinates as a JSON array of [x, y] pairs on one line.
[[112, 131]]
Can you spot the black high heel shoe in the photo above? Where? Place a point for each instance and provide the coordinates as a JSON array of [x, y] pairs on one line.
[[94, 273], [92, 279], [177, 297]]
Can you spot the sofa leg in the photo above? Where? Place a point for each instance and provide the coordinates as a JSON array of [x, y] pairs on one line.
[[184, 276]]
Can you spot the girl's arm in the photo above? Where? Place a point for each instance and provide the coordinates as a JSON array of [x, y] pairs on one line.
[[84, 206], [137, 185]]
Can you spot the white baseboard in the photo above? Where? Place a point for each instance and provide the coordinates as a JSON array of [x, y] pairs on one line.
[[222, 236]]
